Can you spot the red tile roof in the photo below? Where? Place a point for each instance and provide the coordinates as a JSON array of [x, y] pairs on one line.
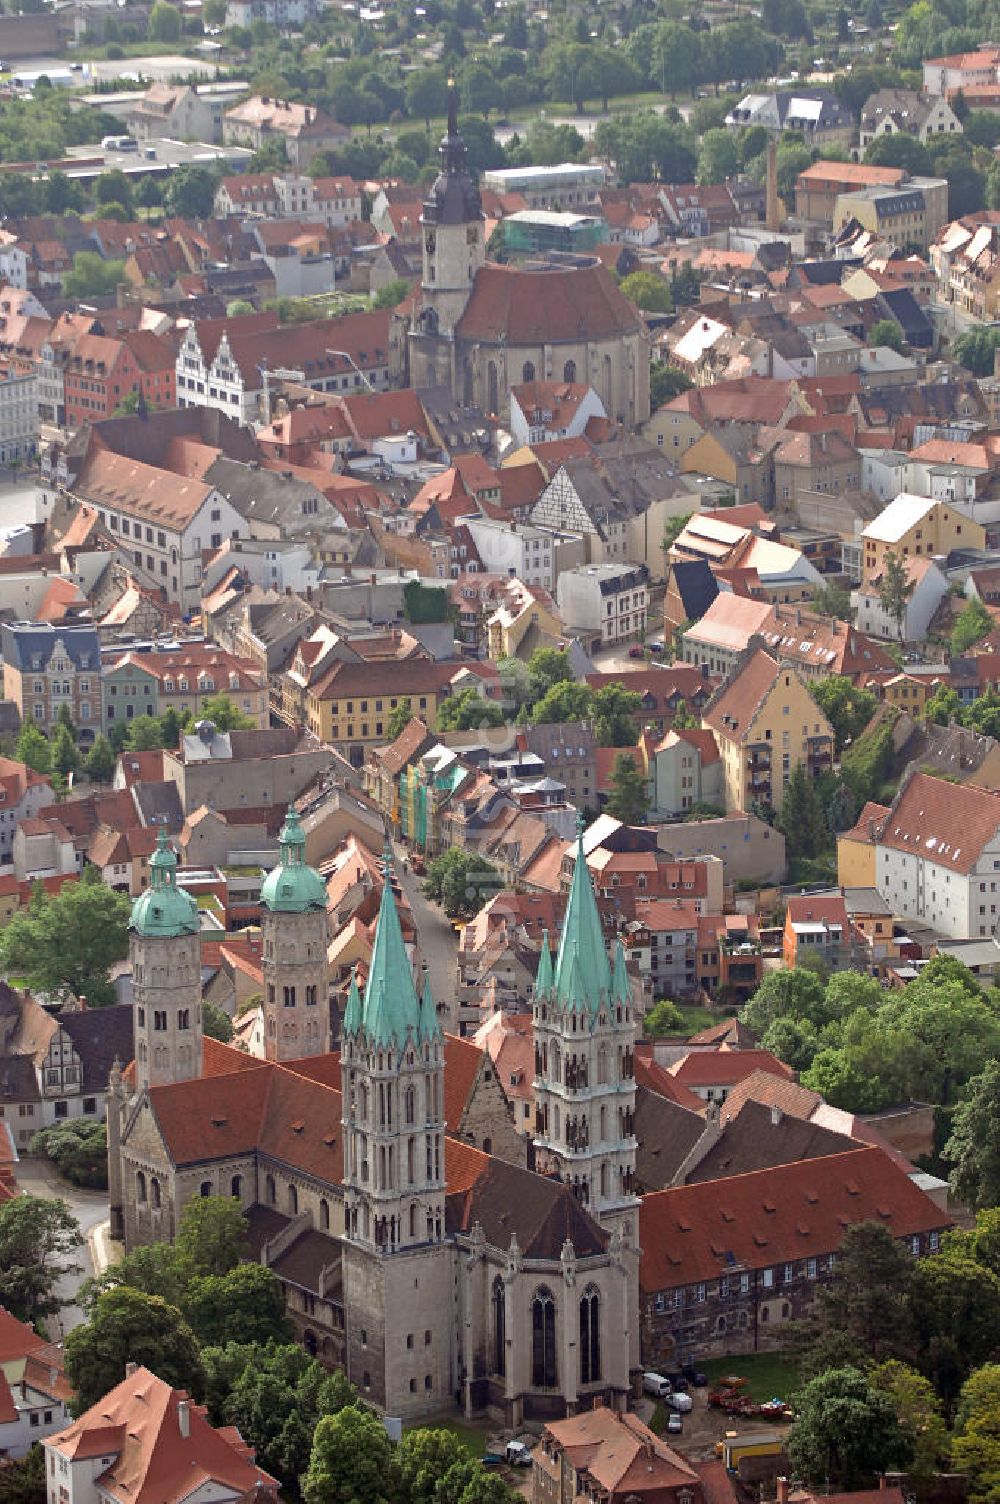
[[523, 307], [726, 1067], [944, 823], [695, 1232]]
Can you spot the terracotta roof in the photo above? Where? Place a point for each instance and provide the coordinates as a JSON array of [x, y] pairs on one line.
[[524, 307], [621, 1454], [724, 1067], [943, 822], [126, 485], [787, 1212], [657, 1079], [731, 711], [158, 1458]]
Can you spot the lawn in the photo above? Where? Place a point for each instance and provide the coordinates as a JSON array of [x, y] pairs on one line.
[[696, 1019], [472, 1438], [767, 1374]]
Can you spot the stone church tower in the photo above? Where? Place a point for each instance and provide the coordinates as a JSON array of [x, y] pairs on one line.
[[295, 933], [165, 951], [584, 1073], [396, 1265], [454, 248]]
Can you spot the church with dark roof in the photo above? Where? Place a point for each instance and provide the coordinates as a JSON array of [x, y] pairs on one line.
[[480, 328], [431, 1271]]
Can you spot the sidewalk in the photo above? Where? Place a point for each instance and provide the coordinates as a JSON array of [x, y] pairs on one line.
[[104, 1251]]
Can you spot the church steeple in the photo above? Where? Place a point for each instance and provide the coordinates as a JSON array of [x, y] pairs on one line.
[[392, 1009], [584, 1041], [295, 932]]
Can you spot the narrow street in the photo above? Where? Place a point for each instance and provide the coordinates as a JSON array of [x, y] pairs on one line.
[[438, 941], [36, 1177]]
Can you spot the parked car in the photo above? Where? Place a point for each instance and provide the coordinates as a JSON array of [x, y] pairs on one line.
[[682, 1402], [675, 1423], [635, 651], [656, 1385], [655, 646], [695, 1376], [518, 1454], [677, 1380]]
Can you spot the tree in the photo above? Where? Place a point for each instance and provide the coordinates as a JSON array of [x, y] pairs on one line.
[[393, 293], [628, 800], [793, 993], [718, 157], [425, 1455], [275, 1395], [165, 23], [468, 710], [666, 382], [149, 194], [833, 600], [976, 350], [424, 603], [91, 277], [22, 1480], [973, 622], [566, 701], [918, 1411], [36, 1236], [956, 1316], [973, 1148], [976, 1442], [211, 1238], [846, 707], [244, 1305], [399, 719], [112, 187], [66, 758], [801, 816], [351, 1460], [66, 942], [100, 763], [895, 588], [426, 93], [190, 191], [868, 1295], [886, 332], [78, 1149], [900, 150], [648, 291], [33, 748], [792, 158], [548, 667], [461, 882], [224, 715], [845, 1432], [215, 1023], [663, 1018], [127, 1325], [614, 709]]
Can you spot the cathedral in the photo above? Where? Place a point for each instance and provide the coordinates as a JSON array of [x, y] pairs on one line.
[[432, 1272], [480, 328]]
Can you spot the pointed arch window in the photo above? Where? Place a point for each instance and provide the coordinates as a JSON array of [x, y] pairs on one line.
[[499, 1327], [543, 1340], [590, 1336]]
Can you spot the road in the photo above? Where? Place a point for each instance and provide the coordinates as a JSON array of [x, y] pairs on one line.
[[438, 941], [37, 1178]]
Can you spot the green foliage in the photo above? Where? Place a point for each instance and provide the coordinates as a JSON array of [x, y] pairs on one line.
[[956, 1317], [887, 333], [976, 350], [547, 667], [648, 291], [833, 600], [100, 763], [973, 1149], [393, 293], [568, 700], [672, 529], [22, 1480], [211, 1238], [786, 994], [895, 588], [973, 623], [461, 882], [424, 1456], [801, 817], [718, 156], [165, 23], [666, 382], [66, 757], [424, 603], [36, 1238], [67, 941], [918, 1411], [900, 150], [224, 715], [614, 709], [112, 187], [91, 277], [215, 1023], [33, 747], [190, 191], [846, 707], [79, 1150], [865, 765], [128, 1325], [244, 1305], [399, 719], [468, 710], [663, 1018], [628, 799], [351, 1460], [845, 1432]]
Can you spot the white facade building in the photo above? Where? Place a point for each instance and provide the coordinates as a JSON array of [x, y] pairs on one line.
[[515, 549], [929, 589], [18, 417], [606, 599]]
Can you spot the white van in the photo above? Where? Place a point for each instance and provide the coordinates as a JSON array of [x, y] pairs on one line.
[[680, 1402], [656, 1384]]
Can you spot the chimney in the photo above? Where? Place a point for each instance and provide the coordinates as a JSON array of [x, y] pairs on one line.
[[184, 1417], [776, 1115], [782, 1484], [130, 1369], [772, 221]]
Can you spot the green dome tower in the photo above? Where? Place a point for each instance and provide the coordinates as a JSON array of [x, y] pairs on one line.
[[165, 951], [295, 933]]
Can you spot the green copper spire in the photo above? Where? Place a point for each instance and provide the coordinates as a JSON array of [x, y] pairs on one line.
[[164, 909], [292, 887], [391, 1003], [582, 978], [352, 1013], [543, 976], [619, 978], [430, 1024]]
